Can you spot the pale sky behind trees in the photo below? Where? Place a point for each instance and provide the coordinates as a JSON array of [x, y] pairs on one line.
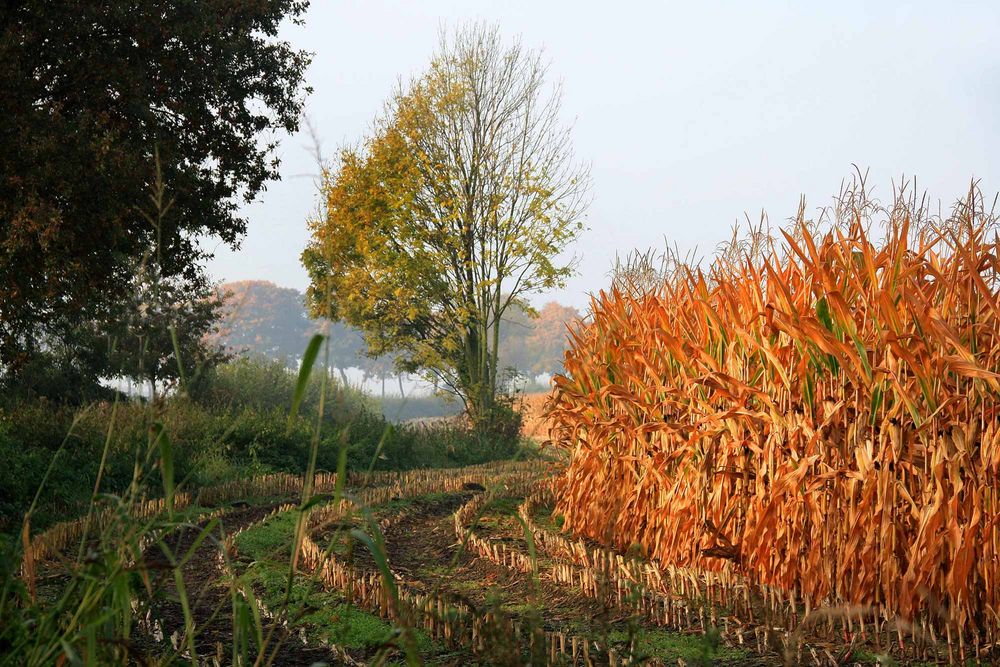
[[689, 113]]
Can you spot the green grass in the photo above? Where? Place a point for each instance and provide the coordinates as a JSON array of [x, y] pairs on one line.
[[270, 540], [499, 512], [434, 571], [468, 586], [668, 647], [325, 614], [547, 518], [504, 506], [401, 504], [523, 608]]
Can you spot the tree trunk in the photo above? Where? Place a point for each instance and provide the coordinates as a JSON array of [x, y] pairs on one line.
[[470, 376], [495, 349]]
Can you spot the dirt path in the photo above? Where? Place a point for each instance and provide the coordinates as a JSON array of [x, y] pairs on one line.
[[423, 548]]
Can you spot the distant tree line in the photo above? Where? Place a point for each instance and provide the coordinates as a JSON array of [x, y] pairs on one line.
[[261, 318]]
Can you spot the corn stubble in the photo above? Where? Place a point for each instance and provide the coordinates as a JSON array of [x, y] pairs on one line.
[[814, 413]]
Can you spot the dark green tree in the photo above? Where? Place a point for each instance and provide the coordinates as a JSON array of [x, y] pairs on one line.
[[161, 328], [88, 90]]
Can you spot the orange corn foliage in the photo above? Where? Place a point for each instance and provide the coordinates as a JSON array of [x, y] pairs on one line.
[[822, 418], [534, 422]]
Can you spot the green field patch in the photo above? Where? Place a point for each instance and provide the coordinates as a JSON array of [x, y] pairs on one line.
[[400, 504], [504, 506], [669, 647], [325, 614], [522, 608], [468, 586], [546, 517], [499, 514], [271, 539]]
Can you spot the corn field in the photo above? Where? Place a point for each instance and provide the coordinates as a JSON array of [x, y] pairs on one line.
[[816, 412]]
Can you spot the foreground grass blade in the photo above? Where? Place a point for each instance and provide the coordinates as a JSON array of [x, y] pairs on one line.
[[305, 370]]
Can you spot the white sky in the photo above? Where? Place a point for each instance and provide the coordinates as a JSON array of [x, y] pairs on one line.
[[689, 113]]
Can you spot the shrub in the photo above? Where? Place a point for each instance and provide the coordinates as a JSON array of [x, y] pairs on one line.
[[234, 424], [267, 385]]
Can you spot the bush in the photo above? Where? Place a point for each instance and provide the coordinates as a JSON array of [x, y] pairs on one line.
[[268, 385], [235, 423], [30, 436]]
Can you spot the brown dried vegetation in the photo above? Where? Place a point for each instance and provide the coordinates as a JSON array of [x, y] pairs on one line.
[[815, 412]]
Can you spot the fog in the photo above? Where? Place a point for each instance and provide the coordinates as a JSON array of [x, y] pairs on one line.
[[688, 121]]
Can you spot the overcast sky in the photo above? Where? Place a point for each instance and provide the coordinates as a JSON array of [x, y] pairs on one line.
[[689, 113]]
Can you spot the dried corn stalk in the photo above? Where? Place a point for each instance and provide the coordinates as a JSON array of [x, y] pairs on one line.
[[819, 415]]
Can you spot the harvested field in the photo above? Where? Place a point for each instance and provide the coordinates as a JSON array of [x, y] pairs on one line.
[[454, 567]]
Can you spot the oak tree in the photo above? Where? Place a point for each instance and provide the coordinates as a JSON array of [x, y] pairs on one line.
[[88, 91]]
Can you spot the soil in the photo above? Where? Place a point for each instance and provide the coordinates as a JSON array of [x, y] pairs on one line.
[[209, 597]]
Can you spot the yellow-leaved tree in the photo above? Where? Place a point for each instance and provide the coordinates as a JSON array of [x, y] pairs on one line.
[[460, 203]]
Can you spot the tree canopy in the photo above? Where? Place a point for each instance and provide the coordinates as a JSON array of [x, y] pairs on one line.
[[458, 206], [264, 319], [88, 92]]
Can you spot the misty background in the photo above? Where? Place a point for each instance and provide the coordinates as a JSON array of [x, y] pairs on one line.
[[688, 122]]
